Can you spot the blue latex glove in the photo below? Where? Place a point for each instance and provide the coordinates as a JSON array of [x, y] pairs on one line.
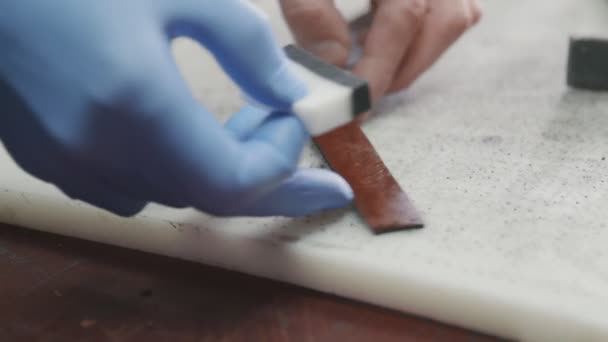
[[91, 100]]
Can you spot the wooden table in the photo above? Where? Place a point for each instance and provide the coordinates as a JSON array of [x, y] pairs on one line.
[[61, 289]]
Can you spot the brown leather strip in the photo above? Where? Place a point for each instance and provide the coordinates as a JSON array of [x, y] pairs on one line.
[[378, 197]]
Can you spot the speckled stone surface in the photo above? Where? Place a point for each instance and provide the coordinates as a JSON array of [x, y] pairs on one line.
[[508, 166]]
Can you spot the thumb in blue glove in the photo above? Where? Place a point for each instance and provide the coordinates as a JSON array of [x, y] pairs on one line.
[[91, 100]]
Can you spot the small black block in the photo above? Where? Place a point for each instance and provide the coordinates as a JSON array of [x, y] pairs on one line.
[[588, 63]]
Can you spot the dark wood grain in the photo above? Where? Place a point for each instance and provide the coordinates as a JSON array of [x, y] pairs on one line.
[[61, 289]]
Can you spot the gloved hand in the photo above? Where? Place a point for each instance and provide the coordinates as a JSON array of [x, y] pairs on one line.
[[92, 101]]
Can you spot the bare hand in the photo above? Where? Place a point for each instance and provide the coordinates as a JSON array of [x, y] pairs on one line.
[[404, 39]]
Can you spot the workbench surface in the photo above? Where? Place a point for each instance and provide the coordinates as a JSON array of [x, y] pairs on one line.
[[63, 289]]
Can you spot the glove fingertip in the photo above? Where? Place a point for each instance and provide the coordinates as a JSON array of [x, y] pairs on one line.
[[307, 192], [282, 88]]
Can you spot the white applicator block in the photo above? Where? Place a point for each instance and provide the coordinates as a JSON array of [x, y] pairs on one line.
[[335, 96]]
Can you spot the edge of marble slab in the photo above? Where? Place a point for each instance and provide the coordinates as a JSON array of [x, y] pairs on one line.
[[470, 303]]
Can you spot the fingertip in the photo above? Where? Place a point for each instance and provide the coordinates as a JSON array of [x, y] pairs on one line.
[[321, 189], [369, 69], [267, 76], [394, 29], [476, 11], [280, 88], [327, 180], [444, 25], [306, 192], [405, 80], [127, 211]]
